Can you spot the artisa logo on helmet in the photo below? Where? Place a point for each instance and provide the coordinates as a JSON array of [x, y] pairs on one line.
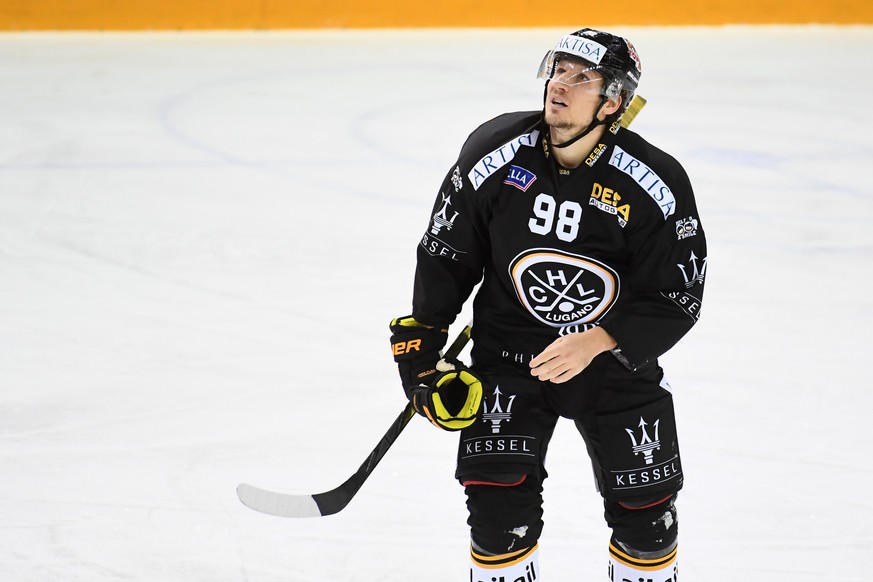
[[582, 47]]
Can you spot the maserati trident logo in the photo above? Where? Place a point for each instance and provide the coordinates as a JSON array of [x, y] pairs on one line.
[[495, 414], [695, 271], [442, 218], [645, 445]]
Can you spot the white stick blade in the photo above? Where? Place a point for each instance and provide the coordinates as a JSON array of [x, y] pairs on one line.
[[280, 504]]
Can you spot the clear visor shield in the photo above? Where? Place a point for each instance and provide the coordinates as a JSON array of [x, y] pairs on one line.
[[573, 72]]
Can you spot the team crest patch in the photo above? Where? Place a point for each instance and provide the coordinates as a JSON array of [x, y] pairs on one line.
[[520, 178], [561, 289]]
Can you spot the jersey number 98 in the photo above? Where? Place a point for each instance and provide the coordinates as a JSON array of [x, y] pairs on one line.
[[569, 215]]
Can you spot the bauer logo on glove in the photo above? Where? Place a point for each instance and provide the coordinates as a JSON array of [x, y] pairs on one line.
[[416, 349]]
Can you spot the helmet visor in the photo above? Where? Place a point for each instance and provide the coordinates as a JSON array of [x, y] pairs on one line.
[[571, 71]]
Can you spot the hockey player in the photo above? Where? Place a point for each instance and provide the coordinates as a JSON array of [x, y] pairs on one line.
[[592, 258]]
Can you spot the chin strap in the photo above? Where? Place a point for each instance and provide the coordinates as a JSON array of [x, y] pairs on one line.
[[571, 141], [585, 132]]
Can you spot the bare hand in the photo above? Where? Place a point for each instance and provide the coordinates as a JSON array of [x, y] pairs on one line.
[[567, 356]]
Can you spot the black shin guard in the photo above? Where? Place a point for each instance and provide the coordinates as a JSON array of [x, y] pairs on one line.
[[644, 540], [505, 517], [645, 529]]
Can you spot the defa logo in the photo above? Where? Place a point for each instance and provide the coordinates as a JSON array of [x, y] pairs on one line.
[[595, 154], [560, 289], [610, 201]]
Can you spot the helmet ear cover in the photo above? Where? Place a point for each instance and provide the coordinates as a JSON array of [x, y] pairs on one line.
[[614, 89]]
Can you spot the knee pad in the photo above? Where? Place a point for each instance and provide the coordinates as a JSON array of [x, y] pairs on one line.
[[505, 512], [644, 528]]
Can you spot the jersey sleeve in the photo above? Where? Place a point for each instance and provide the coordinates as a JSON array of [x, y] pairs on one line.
[[667, 274], [452, 251]]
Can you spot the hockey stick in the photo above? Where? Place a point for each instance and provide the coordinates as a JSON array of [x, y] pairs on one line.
[[333, 501], [635, 106]]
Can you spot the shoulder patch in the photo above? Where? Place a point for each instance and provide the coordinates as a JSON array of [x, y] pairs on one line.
[[498, 158], [648, 180]]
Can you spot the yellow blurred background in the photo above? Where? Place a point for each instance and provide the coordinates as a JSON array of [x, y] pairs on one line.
[[21, 15]]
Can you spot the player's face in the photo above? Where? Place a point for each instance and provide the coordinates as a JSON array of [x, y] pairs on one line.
[[573, 95]]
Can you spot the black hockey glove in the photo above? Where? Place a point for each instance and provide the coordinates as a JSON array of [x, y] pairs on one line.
[[416, 348], [451, 401], [445, 392]]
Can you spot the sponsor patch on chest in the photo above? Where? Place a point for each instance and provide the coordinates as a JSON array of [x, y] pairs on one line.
[[519, 177], [611, 202]]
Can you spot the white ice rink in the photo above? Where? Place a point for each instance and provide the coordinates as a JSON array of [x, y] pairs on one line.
[[203, 238]]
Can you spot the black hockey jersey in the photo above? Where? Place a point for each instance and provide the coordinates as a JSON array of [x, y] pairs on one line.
[[617, 242]]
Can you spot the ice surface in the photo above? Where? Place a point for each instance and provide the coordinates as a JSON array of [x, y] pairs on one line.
[[203, 237]]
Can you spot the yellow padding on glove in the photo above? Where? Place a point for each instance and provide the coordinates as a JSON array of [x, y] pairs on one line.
[[408, 321], [468, 411]]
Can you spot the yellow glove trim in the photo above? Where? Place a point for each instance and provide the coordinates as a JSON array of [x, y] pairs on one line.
[[466, 416], [408, 321]]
